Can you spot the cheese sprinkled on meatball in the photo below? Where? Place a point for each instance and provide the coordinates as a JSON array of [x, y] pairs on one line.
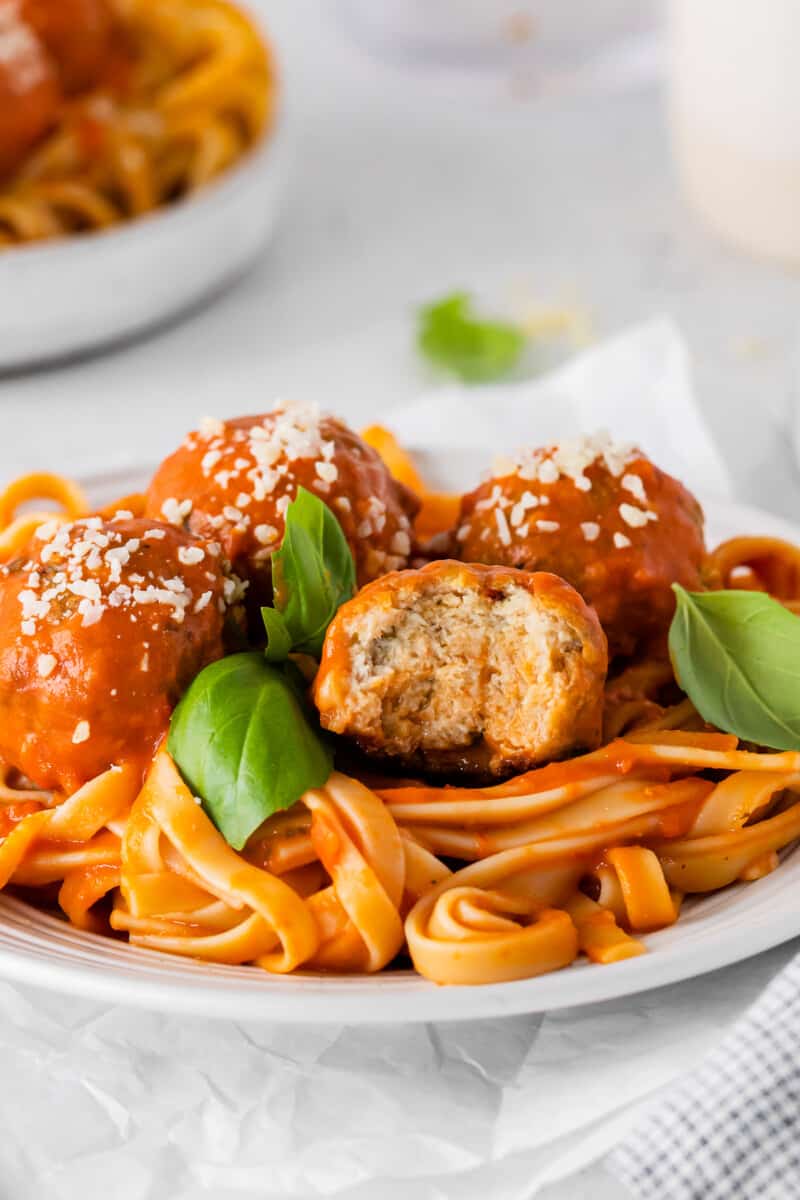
[[614, 526], [233, 481], [102, 627]]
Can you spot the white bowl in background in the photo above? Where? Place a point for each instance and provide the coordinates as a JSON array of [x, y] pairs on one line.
[[63, 298]]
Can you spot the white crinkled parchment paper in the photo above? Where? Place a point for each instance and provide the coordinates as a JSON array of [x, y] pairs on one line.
[[97, 1100], [636, 386]]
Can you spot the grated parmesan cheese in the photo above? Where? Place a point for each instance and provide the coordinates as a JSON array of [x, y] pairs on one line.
[[401, 544], [634, 484], [87, 571], [569, 460], [265, 535], [327, 471], [45, 665], [503, 531], [175, 511], [21, 58], [211, 427], [633, 516]]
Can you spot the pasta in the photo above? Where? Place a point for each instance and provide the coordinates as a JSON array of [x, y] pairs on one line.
[[438, 511], [472, 885], [195, 91]]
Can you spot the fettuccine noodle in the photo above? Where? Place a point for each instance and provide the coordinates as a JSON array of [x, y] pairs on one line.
[[471, 884]]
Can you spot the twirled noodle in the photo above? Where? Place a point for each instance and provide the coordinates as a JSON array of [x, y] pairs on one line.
[[759, 564], [278, 918], [360, 847], [72, 832], [201, 93], [438, 511], [17, 527], [477, 934]]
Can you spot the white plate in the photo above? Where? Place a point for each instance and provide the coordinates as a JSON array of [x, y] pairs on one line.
[[62, 298], [722, 928]]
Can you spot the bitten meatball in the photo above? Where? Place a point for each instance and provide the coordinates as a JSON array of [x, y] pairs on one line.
[[468, 670], [102, 628], [29, 90], [77, 33], [232, 481], [601, 516]]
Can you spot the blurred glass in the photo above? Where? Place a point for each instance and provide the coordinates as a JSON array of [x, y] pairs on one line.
[[563, 41], [734, 105]]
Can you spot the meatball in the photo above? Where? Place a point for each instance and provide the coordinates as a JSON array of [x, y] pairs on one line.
[[232, 481], [78, 35], [601, 516], [102, 628], [30, 95], [468, 670]]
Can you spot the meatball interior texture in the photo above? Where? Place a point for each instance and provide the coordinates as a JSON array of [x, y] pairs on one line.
[[601, 516], [102, 628], [232, 481], [469, 670]]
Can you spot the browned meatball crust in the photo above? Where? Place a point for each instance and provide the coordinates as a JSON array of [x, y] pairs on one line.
[[601, 516], [232, 481], [468, 670], [102, 627]]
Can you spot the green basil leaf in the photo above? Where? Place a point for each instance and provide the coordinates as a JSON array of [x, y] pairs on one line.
[[279, 640], [476, 351], [313, 573], [736, 654], [243, 741]]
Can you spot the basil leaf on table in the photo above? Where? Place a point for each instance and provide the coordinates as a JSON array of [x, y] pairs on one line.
[[736, 654], [313, 573], [243, 742], [476, 351]]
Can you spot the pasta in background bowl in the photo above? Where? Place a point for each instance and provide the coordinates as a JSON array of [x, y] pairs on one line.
[[157, 182]]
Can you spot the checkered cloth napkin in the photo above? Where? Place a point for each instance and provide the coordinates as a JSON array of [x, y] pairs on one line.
[[731, 1129]]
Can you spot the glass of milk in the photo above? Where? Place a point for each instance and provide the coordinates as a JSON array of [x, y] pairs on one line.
[[734, 101]]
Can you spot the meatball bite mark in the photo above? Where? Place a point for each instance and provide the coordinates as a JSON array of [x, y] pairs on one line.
[[465, 669], [232, 481], [102, 627], [604, 518]]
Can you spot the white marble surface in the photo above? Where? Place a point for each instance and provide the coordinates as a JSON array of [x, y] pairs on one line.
[[405, 185]]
